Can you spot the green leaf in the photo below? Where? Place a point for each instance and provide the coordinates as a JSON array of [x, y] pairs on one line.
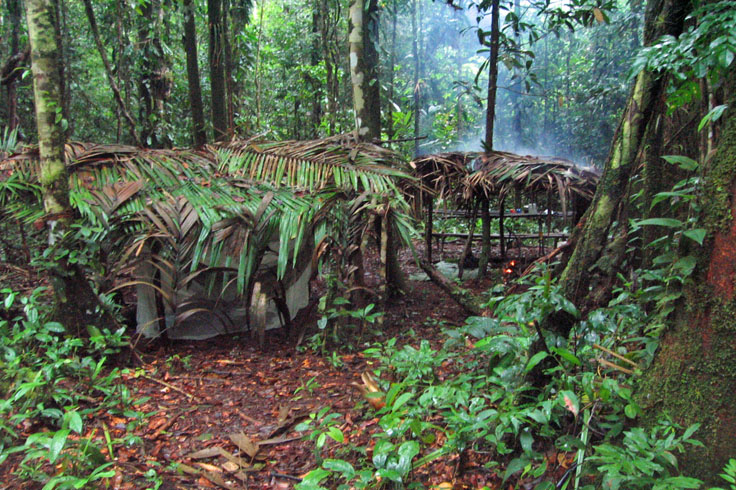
[[401, 400], [526, 439], [57, 444], [336, 434], [74, 421], [713, 115], [683, 162], [668, 222], [345, 469], [536, 359], [515, 466], [631, 410], [55, 327], [566, 354], [697, 235]]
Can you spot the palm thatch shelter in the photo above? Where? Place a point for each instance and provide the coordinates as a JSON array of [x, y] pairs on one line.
[[215, 240], [470, 179]]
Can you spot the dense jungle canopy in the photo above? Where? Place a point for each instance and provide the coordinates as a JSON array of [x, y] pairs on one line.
[[303, 181]]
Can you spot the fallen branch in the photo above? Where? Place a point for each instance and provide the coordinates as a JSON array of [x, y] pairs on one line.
[[172, 387], [470, 304]]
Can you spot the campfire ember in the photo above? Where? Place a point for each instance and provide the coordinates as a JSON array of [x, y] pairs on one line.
[[510, 271]]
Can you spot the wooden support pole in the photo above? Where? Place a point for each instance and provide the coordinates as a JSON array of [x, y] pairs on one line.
[[428, 224], [500, 228]]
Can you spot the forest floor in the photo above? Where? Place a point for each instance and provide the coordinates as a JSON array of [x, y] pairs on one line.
[[222, 413]]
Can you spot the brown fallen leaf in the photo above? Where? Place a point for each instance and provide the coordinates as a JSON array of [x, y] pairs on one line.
[[245, 444], [209, 467], [209, 452]]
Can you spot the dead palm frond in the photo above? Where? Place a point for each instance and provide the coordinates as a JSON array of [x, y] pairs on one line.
[[443, 173], [500, 172]]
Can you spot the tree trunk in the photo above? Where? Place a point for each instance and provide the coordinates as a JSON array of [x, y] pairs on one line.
[[76, 303], [693, 376], [391, 74], [600, 247], [316, 86], [108, 70], [363, 69], [417, 90], [154, 83], [488, 143], [14, 14], [485, 236], [492, 74], [195, 92], [217, 70]]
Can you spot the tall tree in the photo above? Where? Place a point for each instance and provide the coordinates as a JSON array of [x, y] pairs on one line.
[[10, 73], [76, 304], [154, 84], [217, 69], [364, 70], [488, 142], [108, 71], [195, 92]]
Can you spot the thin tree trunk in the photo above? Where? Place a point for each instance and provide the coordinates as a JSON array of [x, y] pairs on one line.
[[195, 91], [391, 76], [14, 17], [229, 80], [258, 67], [416, 88], [316, 113], [492, 74], [217, 70], [108, 71], [371, 83], [485, 254]]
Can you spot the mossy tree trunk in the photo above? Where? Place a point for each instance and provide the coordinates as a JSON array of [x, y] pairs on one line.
[[693, 376], [600, 245], [76, 304]]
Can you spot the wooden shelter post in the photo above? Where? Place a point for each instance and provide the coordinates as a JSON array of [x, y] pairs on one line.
[[468, 242], [501, 206], [428, 224], [485, 254]]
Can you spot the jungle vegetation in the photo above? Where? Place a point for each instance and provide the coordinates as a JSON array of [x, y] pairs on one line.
[[191, 135]]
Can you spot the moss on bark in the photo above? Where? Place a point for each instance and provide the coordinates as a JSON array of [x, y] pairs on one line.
[[693, 377]]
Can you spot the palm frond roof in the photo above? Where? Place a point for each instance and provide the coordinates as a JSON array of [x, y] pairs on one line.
[[467, 175]]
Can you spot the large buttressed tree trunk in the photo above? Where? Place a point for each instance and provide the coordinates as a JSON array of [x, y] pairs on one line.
[[76, 303], [693, 376]]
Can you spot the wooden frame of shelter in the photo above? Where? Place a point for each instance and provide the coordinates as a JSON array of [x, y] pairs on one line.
[[470, 179]]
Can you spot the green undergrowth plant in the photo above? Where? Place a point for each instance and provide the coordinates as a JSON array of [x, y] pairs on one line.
[[729, 475], [471, 395], [54, 386]]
